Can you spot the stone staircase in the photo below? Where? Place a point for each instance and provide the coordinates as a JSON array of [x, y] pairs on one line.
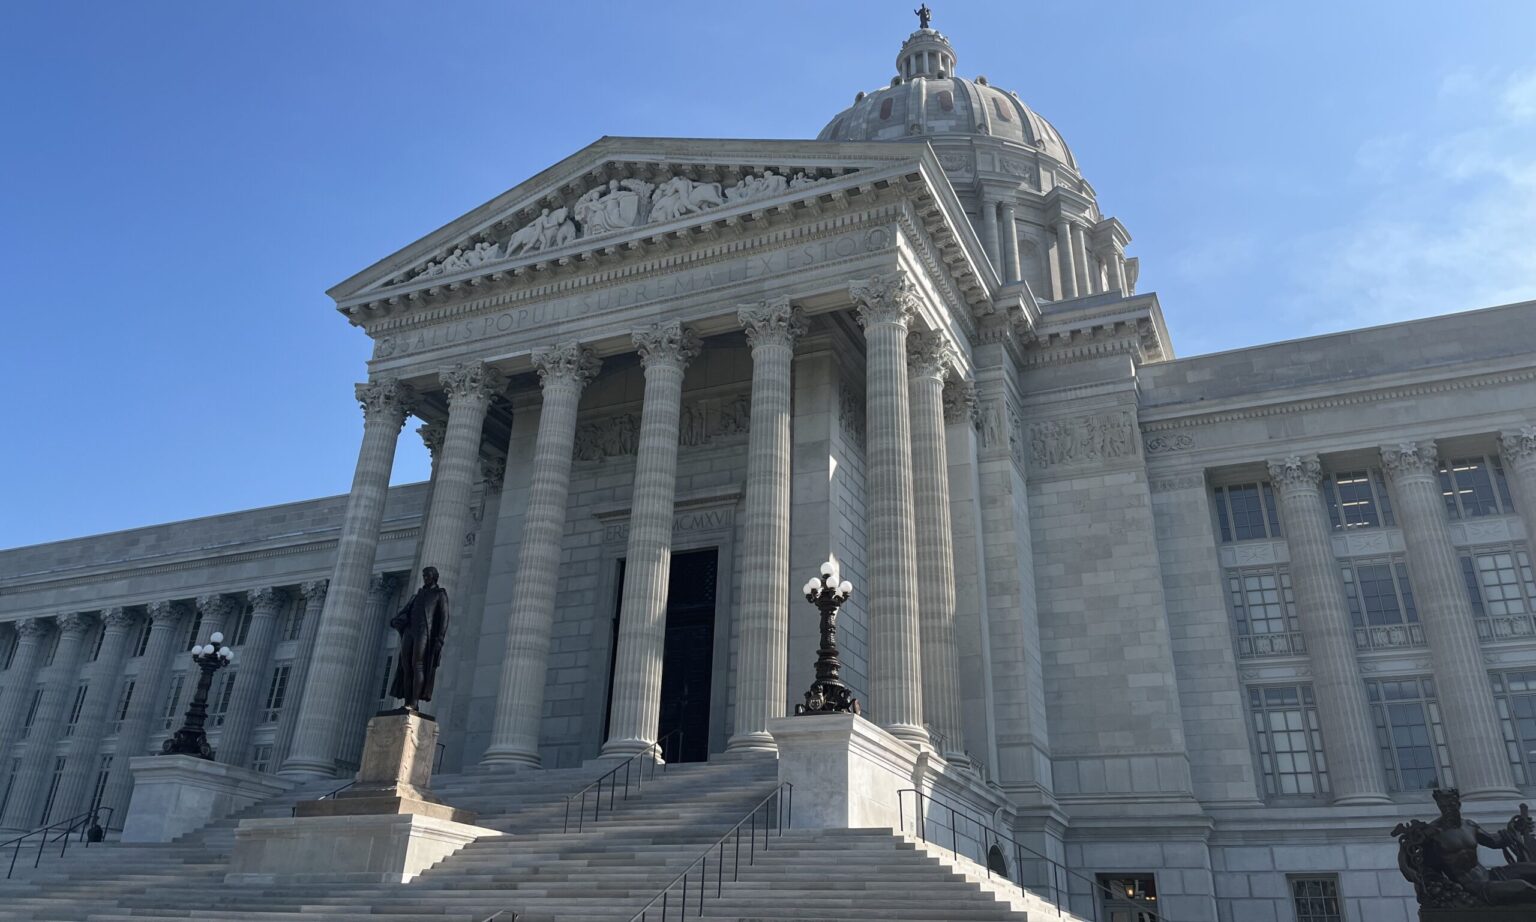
[[538, 873]]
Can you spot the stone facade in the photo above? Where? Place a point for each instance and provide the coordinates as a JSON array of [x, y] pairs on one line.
[[1215, 622]]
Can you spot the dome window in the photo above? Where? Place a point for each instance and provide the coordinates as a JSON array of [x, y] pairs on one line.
[[885, 109], [946, 100], [1002, 113]]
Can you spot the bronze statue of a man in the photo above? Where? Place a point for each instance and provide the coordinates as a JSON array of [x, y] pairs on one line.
[[423, 626], [1440, 858]]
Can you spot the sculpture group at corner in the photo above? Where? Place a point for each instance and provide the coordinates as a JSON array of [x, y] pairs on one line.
[[1440, 859]]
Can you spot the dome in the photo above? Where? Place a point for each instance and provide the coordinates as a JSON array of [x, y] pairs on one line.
[[926, 98]]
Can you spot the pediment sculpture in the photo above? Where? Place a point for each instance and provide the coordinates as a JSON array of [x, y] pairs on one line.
[[617, 205]]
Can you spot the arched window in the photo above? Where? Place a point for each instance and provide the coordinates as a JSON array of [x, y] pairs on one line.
[[885, 109], [946, 100]]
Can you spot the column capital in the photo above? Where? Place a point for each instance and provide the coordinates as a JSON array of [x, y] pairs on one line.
[[569, 361], [929, 355], [386, 400], [314, 590], [384, 583], [31, 627], [117, 618], [163, 610], [1519, 445], [494, 472], [1410, 459], [1296, 472], [667, 343], [74, 623], [960, 402], [774, 322], [216, 604], [890, 298], [473, 380], [432, 435], [266, 599]]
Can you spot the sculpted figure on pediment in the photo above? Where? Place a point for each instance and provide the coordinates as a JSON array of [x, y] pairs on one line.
[[680, 195], [801, 181], [750, 187], [484, 252], [610, 208], [549, 230]]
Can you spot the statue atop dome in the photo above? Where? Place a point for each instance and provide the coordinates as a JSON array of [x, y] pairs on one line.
[[924, 16]]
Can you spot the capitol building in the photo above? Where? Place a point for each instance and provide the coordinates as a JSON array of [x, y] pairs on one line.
[[1203, 627]]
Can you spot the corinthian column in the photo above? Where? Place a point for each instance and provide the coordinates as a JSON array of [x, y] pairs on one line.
[[886, 305], [317, 731], [24, 810], [1470, 717], [1519, 450], [362, 694], [470, 388], [165, 637], [100, 694], [772, 328], [251, 673], [665, 350], [1354, 765], [1064, 258], [1008, 232], [20, 680], [313, 593], [564, 370], [928, 362]]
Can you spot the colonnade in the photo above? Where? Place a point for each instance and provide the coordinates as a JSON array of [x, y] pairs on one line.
[[1088, 260], [1469, 715]]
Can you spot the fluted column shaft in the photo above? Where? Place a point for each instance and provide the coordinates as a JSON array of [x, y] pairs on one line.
[[564, 371], [1008, 232], [1064, 258], [25, 807], [252, 670], [100, 695], [165, 639], [763, 634], [1519, 451], [1349, 738], [886, 305], [989, 235], [314, 593], [318, 728], [1117, 274], [929, 361], [21, 678], [665, 350], [470, 388], [1467, 708], [1080, 260], [364, 683]]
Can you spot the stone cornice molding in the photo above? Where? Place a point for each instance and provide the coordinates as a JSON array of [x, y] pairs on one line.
[[961, 403], [74, 623], [929, 355], [889, 298], [472, 381], [774, 322], [666, 344], [386, 400], [117, 619], [30, 629], [267, 600], [569, 362], [1296, 473], [1406, 460], [432, 436], [1519, 446]]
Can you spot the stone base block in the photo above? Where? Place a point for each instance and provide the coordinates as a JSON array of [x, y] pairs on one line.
[[1499, 914], [395, 775], [383, 803], [345, 849], [173, 795]]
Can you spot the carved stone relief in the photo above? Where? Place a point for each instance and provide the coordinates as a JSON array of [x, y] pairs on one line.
[[1170, 441], [701, 422], [850, 414], [1082, 440]]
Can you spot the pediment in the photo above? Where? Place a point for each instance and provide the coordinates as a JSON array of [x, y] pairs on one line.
[[617, 189]]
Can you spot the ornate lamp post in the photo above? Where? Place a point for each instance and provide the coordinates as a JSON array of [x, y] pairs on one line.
[[191, 740], [828, 694]]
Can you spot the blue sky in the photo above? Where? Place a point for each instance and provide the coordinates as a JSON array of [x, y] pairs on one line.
[[182, 181]]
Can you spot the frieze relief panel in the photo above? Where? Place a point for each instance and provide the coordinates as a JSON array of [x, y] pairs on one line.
[[1491, 530], [850, 414], [1091, 439], [618, 205], [702, 422], [1165, 442], [1254, 554], [1371, 542]]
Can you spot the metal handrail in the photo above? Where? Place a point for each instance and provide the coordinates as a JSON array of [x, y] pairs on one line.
[[775, 820], [84, 821], [326, 796], [611, 779], [990, 838]]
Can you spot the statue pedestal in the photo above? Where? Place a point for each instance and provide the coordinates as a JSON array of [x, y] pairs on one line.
[[387, 828], [173, 795], [1480, 914]]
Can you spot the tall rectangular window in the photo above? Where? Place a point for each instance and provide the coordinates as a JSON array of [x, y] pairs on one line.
[[295, 625], [261, 758], [1264, 612], [74, 710], [1381, 605], [26, 725], [169, 715], [103, 772], [1316, 898], [243, 626], [1358, 499], [277, 693], [1502, 589], [141, 639], [10, 781], [124, 703], [1247, 511], [221, 699], [1409, 732], [197, 627], [53, 788], [389, 675], [1289, 740], [10, 649], [1514, 694], [53, 648], [97, 637], [1128, 897], [1475, 487]]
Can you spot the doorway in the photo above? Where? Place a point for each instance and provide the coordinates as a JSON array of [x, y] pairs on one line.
[[688, 655]]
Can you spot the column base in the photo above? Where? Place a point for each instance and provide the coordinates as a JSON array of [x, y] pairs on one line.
[[625, 748], [910, 733], [306, 770], [1362, 800], [756, 741], [1491, 794], [512, 758]]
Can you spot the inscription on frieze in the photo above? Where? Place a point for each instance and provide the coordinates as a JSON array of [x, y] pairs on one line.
[[703, 520]]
